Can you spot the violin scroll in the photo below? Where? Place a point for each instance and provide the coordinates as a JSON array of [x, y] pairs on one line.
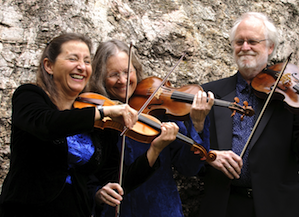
[[207, 156]]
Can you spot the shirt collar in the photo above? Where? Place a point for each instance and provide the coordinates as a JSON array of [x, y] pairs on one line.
[[242, 85]]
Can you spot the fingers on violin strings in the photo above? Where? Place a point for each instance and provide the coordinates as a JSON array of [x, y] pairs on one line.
[[197, 98], [211, 98], [200, 100], [172, 127], [169, 131], [166, 126], [204, 97]]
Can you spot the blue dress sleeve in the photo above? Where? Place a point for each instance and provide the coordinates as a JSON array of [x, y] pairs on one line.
[[184, 160]]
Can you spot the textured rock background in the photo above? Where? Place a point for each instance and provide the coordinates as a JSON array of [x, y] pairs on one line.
[[160, 30]]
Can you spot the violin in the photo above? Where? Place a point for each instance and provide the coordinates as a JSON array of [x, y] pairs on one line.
[[145, 130], [287, 89], [176, 102]]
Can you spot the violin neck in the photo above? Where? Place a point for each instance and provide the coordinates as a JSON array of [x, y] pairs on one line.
[[149, 122], [157, 126], [188, 98]]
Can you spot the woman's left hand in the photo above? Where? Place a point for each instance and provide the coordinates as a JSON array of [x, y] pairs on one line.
[[168, 134], [200, 109]]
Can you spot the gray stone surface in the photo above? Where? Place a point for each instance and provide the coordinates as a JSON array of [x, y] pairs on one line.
[[160, 30]]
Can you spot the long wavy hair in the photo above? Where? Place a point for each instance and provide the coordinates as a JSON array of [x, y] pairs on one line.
[[99, 65], [52, 50]]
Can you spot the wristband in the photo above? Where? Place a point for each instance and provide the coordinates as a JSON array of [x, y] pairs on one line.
[[100, 108]]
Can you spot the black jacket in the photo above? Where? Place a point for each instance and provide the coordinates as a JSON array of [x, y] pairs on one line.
[[272, 158], [38, 164]]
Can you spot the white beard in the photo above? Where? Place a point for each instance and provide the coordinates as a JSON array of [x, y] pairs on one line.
[[250, 63]]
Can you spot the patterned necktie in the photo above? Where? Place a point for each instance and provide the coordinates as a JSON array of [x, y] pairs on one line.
[[242, 130]]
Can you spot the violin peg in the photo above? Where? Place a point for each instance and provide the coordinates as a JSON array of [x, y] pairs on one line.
[[242, 117], [233, 114], [236, 99], [203, 158], [195, 150], [245, 103]]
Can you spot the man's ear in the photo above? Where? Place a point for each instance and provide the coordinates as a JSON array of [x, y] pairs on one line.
[[48, 66], [270, 50]]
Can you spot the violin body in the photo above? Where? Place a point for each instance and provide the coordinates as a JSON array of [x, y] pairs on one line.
[[140, 132], [175, 102], [287, 89], [162, 103], [146, 129]]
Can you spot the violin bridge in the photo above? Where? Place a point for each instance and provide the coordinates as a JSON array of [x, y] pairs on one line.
[[158, 93]]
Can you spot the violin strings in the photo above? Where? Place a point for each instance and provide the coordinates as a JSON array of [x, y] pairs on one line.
[[162, 83], [181, 96]]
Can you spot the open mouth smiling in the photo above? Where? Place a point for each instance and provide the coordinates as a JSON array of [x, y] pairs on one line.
[[77, 76]]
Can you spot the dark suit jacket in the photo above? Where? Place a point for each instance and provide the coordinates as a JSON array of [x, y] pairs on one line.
[[273, 157]]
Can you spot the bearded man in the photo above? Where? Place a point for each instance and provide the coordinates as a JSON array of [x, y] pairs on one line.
[[265, 181]]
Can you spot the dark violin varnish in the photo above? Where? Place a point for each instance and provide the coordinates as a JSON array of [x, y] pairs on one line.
[[287, 89], [175, 102], [145, 130]]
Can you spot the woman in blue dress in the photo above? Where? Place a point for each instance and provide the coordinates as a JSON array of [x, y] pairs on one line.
[[158, 196]]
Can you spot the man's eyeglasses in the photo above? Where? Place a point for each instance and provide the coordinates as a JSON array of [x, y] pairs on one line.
[[240, 42]]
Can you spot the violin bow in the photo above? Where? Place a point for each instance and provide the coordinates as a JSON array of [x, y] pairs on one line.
[[123, 144], [265, 106], [117, 210], [157, 89]]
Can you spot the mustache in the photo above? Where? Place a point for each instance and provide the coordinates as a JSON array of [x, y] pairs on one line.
[[243, 53]]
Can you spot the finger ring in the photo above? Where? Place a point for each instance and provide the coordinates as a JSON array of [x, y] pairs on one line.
[[129, 113], [229, 168]]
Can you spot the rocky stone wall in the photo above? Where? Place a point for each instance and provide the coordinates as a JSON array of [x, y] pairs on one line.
[[160, 30]]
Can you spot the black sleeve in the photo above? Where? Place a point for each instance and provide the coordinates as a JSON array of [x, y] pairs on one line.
[[295, 137], [133, 175], [34, 112], [138, 172]]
